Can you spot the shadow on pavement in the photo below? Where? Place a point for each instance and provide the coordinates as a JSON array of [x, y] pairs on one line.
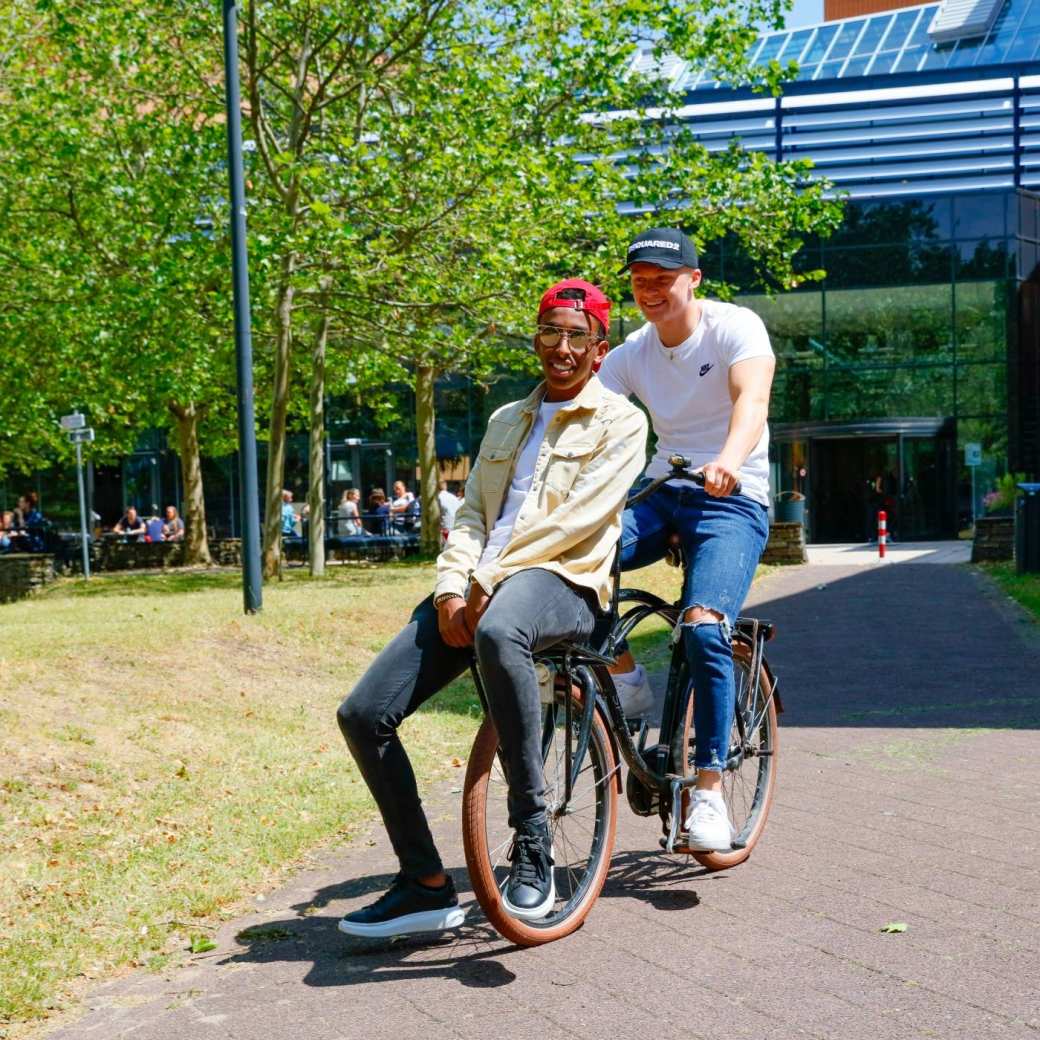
[[471, 956]]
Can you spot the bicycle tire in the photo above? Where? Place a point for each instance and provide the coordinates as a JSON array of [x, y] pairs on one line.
[[748, 805], [486, 834]]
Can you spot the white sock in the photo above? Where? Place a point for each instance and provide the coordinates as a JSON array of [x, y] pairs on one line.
[[710, 796], [633, 677]]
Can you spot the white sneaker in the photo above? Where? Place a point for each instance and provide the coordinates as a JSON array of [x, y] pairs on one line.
[[637, 698], [707, 824]]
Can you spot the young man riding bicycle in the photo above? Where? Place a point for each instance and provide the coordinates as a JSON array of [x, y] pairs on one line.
[[703, 369], [526, 565]]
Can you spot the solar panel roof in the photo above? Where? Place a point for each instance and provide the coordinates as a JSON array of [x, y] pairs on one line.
[[893, 41]]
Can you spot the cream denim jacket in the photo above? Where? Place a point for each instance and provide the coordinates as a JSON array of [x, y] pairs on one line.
[[570, 522]]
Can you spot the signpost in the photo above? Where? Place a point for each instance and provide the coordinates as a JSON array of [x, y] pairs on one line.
[[972, 458], [75, 425]]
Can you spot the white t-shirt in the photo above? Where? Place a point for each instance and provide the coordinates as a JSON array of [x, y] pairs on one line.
[[686, 388], [523, 478], [449, 507]]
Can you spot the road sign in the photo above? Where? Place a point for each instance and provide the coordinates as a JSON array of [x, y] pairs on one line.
[[972, 454], [75, 421], [81, 436]]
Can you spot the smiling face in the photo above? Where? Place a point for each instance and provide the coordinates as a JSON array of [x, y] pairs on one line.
[[566, 370], [663, 295]]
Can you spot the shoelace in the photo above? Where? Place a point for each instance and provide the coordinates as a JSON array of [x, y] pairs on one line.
[[398, 883], [530, 858]]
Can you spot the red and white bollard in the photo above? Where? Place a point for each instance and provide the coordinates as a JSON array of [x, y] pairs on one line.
[[882, 532]]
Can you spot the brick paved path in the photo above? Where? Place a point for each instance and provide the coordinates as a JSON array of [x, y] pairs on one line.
[[907, 793]]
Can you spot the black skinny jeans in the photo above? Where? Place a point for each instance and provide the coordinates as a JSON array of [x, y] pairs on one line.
[[529, 612]]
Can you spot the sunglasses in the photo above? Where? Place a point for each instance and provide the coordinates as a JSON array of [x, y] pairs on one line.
[[579, 340]]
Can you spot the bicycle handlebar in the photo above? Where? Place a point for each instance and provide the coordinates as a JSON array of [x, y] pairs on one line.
[[680, 471]]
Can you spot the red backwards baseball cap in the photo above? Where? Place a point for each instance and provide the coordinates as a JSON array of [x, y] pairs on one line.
[[592, 300]]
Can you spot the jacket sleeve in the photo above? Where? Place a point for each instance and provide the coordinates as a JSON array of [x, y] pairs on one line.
[[466, 540], [598, 494]]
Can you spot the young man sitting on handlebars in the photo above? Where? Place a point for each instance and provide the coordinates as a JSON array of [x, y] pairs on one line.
[[703, 369], [527, 565]]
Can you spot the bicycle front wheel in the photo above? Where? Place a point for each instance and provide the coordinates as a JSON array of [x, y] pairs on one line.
[[582, 829], [749, 779]]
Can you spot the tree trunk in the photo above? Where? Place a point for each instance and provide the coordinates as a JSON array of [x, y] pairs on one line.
[[272, 554], [196, 543], [316, 494], [425, 417]]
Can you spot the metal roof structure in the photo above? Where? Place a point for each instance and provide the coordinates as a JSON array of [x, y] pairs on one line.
[[881, 110], [890, 42]]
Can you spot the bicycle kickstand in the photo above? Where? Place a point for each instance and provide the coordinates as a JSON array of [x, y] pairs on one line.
[[673, 827]]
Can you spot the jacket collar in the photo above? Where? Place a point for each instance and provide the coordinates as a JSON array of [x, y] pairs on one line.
[[589, 399]]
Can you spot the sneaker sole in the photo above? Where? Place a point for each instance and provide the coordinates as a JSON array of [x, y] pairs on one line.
[[425, 921], [534, 913]]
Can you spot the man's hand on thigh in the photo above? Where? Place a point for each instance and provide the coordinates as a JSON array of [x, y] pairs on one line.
[[451, 620], [476, 604]]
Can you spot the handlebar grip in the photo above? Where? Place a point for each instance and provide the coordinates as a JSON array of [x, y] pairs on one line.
[[681, 462]]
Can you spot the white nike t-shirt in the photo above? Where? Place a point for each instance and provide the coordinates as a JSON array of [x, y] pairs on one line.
[[686, 388], [523, 478]]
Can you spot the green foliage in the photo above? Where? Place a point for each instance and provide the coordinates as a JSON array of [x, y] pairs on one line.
[[1005, 493]]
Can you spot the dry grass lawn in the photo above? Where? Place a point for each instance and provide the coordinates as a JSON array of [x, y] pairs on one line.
[[163, 756]]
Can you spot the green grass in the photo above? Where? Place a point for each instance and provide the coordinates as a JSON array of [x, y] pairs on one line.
[[163, 757], [1024, 588]]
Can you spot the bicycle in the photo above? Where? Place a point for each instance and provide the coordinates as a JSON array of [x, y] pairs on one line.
[[585, 739]]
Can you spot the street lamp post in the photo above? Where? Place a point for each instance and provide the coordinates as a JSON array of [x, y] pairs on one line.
[[250, 497]]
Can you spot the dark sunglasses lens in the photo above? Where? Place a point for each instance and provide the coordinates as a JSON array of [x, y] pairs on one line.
[[548, 337]]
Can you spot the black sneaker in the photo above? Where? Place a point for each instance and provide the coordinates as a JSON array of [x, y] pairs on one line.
[[406, 907], [530, 891]]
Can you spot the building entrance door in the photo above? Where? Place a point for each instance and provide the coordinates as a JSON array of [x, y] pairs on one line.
[[853, 477]]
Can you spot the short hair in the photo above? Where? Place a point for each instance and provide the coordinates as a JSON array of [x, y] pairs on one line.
[[579, 294]]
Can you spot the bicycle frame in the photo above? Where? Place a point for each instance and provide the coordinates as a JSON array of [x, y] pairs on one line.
[[582, 666]]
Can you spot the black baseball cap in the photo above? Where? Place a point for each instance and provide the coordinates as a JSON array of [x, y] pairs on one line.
[[662, 247]]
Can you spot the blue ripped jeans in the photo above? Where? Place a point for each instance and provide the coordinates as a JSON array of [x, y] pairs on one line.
[[723, 539]]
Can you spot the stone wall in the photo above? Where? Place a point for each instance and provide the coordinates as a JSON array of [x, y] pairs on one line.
[[786, 544], [23, 574], [116, 555], [994, 539]]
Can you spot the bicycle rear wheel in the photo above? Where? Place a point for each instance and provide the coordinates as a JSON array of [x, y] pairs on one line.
[[582, 831], [749, 780]]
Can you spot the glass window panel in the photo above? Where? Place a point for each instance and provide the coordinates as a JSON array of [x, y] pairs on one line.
[[931, 262], [795, 45], [797, 394], [846, 38], [897, 325], [981, 389], [1002, 33], [830, 69], [902, 25], [966, 53], [1028, 260], [937, 57], [919, 221], [770, 48], [981, 317], [1028, 216], [910, 60], [867, 265], [806, 71], [795, 324], [984, 258], [890, 392], [856, 66], [1024, 45], [883, 63], [871, 36], [818, 48], [978, 215]]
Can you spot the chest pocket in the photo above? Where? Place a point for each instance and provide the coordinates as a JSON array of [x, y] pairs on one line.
[[567, 459]]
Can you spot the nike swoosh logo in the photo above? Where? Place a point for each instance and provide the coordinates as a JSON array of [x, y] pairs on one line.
[[705, 369]]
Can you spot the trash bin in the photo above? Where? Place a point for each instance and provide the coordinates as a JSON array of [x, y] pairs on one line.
[[1027, 529], [789, 508]]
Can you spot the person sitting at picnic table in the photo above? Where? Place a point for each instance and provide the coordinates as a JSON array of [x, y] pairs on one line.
[[404, 507], [130, 524], [348, 514], [378, 512], [9, 535], [173, 526]]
